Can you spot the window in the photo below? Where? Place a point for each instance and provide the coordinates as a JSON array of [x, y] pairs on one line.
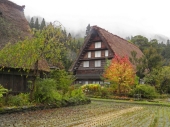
[[86, 64], [97, 44], [107, 83], [106, 52], [97, 53], [101, 82], [98, 63], [85, 82], [97, 82], [89, 55]]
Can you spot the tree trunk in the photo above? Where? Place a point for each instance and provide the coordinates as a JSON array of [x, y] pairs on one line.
[[34, 79], [119, 89]]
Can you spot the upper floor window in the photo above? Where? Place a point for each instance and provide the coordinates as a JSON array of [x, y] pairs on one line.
[[97, 53], [97, 63], [106, 52], [89, 55], [97, 44], [86, 64]]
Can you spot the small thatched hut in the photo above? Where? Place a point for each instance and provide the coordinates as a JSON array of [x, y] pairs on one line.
[[13, 28]]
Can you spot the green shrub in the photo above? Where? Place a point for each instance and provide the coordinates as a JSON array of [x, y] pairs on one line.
[[46, 91], [76, 93], [77, 86], [63, 80], [18, 100], [146, 91], [2, 101], [104, 92], [2, 91], [74, 97]]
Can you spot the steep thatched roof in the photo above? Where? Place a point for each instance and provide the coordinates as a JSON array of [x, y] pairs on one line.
[[13, 24], [42, 66], [117, 44], [14, 27]]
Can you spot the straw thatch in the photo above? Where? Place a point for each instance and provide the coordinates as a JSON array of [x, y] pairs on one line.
[[13, 24]]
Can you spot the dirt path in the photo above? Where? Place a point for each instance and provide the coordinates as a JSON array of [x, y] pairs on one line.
[[103, 119]]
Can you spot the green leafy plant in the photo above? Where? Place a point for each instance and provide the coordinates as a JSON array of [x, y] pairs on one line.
[[18, 100], [63, 79], [104, 92], [46, 91], [2, 91], [75, 97], [146, 91]]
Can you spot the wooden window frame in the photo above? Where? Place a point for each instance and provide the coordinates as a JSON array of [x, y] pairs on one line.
[[89, 55], [85, 63], [97, 53], [106, 52], [98, 45], [96, 64]]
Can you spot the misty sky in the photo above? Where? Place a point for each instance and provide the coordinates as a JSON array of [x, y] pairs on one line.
[[121, 17]]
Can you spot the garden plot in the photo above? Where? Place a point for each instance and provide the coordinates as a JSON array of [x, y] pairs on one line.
[[96, 114]]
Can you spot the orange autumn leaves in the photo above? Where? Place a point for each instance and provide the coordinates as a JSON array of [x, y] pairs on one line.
[[121, 72]]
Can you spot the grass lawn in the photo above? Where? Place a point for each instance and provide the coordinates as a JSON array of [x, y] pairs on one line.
[[100, 113], [156, 102]]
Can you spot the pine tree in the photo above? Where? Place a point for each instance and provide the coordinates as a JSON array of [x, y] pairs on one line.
[[32, 23], [42, 24], [69, 36], [87, 30], [168, 42], [37, 25]]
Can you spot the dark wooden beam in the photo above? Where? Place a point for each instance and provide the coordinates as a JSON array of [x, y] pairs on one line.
[[96, 58]]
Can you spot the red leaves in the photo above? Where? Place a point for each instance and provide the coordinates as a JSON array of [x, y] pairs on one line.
[[120, 71]]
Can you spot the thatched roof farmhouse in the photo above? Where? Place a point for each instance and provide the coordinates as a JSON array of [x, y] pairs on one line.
[[99, 45]]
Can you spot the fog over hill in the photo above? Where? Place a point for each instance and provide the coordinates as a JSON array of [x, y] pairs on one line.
[[123, 33], [117, 28], [77, 29]]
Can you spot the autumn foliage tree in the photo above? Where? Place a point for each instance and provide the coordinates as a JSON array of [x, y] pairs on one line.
[[121, 72]]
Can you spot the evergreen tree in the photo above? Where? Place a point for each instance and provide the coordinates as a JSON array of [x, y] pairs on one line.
[[141, 41], [42, 24], [87, 30], [37, 25], [69, 37], [168, 42], [32, 23], [153, 58]]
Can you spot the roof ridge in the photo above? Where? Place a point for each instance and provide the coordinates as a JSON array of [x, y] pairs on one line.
[[10, 3], [114, 35]]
